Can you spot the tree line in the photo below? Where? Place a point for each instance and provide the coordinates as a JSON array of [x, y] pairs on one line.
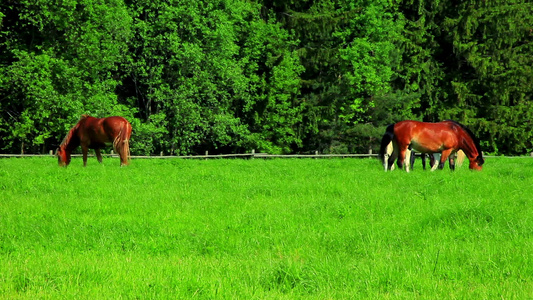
[[278, 76]]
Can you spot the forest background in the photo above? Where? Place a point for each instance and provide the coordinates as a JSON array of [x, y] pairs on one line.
[[278, 76]]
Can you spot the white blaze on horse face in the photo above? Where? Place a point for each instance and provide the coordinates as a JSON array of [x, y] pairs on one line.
[[475, 166]]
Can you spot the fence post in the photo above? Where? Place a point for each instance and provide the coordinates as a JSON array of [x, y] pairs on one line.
[[316, 154], [206, 154], [161, 153], [253, 154], [111, 152], [51, 152]]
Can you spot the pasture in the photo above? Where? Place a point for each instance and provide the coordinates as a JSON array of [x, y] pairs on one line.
[[264, 229]]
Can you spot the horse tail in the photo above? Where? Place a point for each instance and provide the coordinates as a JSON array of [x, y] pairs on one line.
[[385, 143], [127, 136], [121, 143]]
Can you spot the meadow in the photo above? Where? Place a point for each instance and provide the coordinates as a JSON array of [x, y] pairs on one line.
[[264, 229]]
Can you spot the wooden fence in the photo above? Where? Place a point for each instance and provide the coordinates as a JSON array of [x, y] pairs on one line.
[[250, 155]]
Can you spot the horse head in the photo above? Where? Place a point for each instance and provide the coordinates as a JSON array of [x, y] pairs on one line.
[[476, 163], [471, 147], [63, 157]]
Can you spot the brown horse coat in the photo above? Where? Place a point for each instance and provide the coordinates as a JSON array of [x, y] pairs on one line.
[[445, 137], [96, 133]]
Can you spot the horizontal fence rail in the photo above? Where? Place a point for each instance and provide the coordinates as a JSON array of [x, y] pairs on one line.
[[237, 155], [210, 156]]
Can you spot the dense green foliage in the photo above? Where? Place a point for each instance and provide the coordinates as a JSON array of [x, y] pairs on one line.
[[276, 76], [264, 229]]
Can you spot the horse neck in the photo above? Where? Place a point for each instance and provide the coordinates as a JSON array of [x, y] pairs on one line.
[[469, 147], [71, 140]]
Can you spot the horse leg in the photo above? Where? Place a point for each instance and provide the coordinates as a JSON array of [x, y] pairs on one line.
[[412, 160], [123, 158], [123, 150], [433, 162], [451, 160], [402, 158], [408, 155], [393, 156], [84, 150], [386, 156], [98, 155], [444, 157], [390, 163]]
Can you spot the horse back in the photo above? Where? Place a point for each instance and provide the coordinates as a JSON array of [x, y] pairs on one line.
[[97, 132], [426, 137], [114, 126]]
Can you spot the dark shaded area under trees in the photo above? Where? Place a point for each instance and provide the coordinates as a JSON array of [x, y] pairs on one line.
[[275, 76]]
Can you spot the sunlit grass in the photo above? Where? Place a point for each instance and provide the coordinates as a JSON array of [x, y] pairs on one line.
[[303, 228]]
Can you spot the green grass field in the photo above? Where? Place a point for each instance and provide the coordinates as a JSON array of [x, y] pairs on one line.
[[264, 229]]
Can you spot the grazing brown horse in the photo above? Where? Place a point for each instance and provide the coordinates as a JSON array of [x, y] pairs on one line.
[[445, 137], [96, 133]]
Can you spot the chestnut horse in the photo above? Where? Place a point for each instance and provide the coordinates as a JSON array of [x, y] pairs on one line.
[[96, 133], [445, 137]]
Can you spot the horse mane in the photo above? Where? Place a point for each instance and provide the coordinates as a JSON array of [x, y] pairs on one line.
[[68, 137], [472, 136], [71, 132]]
